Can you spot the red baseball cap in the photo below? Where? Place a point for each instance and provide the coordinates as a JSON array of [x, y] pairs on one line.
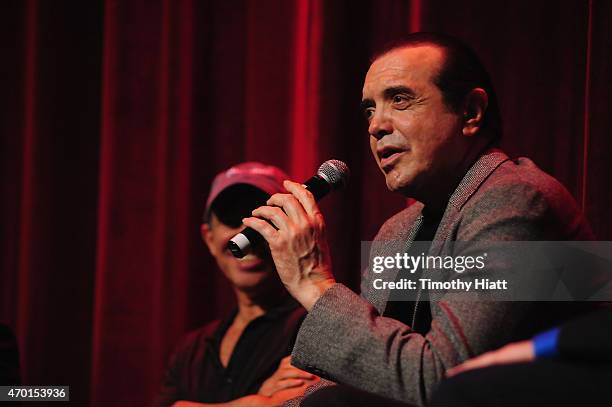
[[265, 177]]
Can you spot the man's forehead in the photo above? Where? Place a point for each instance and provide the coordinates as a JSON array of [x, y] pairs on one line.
[[417, 64]]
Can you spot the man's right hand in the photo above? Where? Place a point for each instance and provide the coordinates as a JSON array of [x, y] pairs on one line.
[[286, 377], [294, 228]]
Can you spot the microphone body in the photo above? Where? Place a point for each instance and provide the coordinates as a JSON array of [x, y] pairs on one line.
[[331, 175]]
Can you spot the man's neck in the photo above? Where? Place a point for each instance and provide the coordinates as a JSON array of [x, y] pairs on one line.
[[251, 307], [437, 200]]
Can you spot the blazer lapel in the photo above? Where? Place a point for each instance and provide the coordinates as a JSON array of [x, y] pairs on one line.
[[468, 186], [470, 183]]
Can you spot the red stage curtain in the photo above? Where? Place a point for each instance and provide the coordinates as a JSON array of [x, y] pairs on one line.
[[115, 116]]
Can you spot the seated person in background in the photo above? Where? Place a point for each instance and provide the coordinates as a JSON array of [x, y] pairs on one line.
[[242, 359], [567, 366]]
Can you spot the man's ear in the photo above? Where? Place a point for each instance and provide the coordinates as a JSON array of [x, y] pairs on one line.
[[206, 234], [473, 111]]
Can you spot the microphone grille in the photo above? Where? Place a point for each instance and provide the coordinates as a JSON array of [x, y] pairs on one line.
[[335, 172]]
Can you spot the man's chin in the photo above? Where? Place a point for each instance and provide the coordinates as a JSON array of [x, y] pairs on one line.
[[250, 284], [398, 184], [259, 283], [252, 276]]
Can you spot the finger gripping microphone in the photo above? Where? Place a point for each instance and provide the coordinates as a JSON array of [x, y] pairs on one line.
[[331, 175]]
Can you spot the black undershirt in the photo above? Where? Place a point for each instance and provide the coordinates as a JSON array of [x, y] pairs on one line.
[[403, 311]]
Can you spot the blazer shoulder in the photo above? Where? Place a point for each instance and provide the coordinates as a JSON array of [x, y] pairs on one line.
[[524, 172], [518, 189]]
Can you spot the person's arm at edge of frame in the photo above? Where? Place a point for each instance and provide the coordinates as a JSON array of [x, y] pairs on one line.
[[585, 338]]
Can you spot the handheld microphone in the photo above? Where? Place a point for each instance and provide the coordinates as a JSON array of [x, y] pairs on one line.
[[331, 175]]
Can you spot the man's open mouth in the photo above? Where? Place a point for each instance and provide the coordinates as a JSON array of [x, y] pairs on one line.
[[388, 155]]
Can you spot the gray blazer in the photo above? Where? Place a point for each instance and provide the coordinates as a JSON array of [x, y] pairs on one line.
[[345, 339]]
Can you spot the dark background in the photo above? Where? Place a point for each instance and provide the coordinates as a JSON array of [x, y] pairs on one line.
[[115, 116]]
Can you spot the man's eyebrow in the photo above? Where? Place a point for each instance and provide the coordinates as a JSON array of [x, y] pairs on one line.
[[388, 94], [394, 90]]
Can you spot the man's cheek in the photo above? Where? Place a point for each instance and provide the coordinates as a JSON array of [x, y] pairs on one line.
[[373, 150]]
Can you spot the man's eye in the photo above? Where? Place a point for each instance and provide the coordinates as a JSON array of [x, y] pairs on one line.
[[401, 101], [368, 113]]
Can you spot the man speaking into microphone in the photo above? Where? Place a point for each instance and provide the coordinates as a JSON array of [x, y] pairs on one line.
[[433, 124]]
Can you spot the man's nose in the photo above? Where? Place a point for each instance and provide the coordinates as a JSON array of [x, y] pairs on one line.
[[380, 125]]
